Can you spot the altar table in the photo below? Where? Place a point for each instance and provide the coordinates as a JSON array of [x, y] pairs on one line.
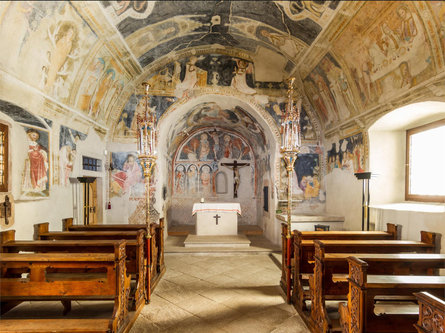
[[216, 218]]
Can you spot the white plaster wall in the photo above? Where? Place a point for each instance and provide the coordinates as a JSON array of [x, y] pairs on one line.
[[413, 222], [386, 160], [344, 197]]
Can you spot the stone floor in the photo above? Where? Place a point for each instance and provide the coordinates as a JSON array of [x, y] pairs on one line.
[[219, 293]]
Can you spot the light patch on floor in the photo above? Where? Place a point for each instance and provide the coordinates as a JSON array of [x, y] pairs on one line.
[[219, 293]]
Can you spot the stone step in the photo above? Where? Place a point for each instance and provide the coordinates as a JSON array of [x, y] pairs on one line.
[[184, 230], [217, 241]]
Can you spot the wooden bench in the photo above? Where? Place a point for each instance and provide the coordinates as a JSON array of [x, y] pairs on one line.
[[303, 253], [392, 232], [65, 277], [361, 314], [134, 256], [155, 243], [329, 280], [431, 313]]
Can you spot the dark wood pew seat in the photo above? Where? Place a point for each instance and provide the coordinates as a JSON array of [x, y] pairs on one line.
[[431, 313], [134, 255], [304, 251], [155, 242], [66, 277], [329, 281], [391, 233], [359, 314]]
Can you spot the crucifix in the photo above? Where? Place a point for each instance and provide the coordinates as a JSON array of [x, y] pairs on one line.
[[236, 176], [217, 217], [5, 210]]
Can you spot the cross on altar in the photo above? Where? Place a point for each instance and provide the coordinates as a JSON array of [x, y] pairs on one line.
[[217, 217], [236, 176]]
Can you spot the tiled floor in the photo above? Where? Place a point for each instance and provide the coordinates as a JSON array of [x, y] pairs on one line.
[[219, 293]]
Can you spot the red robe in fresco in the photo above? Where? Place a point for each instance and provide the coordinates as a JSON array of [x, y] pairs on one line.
[[36, 176]]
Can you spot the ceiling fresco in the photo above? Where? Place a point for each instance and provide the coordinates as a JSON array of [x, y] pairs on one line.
[[154, 29], [351, 58]]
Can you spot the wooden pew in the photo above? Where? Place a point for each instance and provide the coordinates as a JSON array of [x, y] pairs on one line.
[[359, 313], [431, 313], [326, 284], [392, 232], [303, 253], [155, 242], [72, 282], [134, 256]]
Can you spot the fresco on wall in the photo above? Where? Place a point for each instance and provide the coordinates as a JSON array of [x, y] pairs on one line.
[[329, 91], [438, 10], [126, 177], [103, 82], [126, 125], [197, 162], [277, 111], [46, 41], [392, 55], [68, 139], [178, 78], [20, 115], [306, 178], [347, 154], [35, 178]]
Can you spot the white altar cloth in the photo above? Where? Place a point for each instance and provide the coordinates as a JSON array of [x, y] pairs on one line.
[[215, 218]]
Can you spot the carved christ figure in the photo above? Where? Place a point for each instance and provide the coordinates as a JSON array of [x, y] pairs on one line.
[[236, 176]]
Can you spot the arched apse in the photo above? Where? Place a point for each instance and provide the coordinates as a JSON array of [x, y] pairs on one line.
[[253, 130]]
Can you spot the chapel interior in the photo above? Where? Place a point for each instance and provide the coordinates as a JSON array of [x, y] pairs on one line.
[[219, 79]]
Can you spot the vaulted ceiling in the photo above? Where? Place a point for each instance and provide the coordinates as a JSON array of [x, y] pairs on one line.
[[354, 60]]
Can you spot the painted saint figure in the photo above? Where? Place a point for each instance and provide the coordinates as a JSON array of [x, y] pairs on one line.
[[36, 165], [129, 176], [239, 80], [64, 40]]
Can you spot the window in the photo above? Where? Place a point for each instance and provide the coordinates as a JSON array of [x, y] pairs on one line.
[[425, 163], [4, 158], [91, 164]]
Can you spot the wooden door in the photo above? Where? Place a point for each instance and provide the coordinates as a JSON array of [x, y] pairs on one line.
[[92, 202], [89, 200]]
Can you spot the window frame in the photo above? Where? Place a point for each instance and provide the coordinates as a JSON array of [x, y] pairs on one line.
[[409, 133], [5, 186]]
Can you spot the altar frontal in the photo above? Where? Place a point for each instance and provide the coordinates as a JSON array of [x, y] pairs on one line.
[[216, 218]]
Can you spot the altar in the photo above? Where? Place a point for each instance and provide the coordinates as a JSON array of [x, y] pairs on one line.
[[215, 218]]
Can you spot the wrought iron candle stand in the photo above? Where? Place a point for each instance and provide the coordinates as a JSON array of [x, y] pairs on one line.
[[146, 140], [290, 146]]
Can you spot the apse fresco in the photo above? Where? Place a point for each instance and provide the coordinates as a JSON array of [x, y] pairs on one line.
[[199, 159], [36, 172], [237, 119], [102, 83], [68, 151], [47, 42], [392, 55], [347, 154], [126, 176]]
